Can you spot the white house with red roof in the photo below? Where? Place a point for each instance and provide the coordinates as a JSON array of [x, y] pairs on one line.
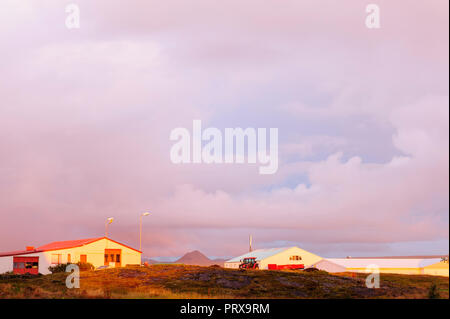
[[99, 251]]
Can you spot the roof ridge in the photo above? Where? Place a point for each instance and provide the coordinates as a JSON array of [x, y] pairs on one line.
[[270, 251], [82, 239], [74, 242], [64, 244], [282, 247]]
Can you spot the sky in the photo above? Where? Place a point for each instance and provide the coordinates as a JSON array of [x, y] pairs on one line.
[[362, 117]]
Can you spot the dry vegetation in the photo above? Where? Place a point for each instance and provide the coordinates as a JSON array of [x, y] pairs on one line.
[[179, 281]]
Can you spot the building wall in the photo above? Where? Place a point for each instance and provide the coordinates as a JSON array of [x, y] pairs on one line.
[[402, 271], [282, 258], [94, 251], [6, 264], [329, 266], [438, 269]]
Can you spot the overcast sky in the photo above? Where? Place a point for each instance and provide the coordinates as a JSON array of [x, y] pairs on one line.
[[362, 115]]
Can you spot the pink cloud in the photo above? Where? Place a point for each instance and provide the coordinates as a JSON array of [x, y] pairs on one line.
[[85, 118]]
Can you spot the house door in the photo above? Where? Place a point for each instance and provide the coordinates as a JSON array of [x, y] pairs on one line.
[[83, 258], [26, 265], [113, 257]]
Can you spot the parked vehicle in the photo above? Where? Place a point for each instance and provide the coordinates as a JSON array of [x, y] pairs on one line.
[[249, 263]]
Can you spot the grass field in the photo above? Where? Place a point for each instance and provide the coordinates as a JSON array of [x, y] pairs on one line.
[[190, 282]]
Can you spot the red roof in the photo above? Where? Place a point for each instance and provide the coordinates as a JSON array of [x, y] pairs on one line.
[[18, 252], [57, 245]]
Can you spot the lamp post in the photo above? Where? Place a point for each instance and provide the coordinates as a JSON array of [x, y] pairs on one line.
[[140, 229], [108, 221]]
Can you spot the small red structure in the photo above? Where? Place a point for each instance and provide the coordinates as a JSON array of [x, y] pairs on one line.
[[26, 265], [279, 267]]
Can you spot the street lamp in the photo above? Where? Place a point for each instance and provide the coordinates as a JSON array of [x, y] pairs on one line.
[[108, 221], [140, 229]]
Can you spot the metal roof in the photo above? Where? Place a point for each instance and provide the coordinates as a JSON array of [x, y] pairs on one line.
[[260, 254], [384, 263], [18, 252], [57, 245]]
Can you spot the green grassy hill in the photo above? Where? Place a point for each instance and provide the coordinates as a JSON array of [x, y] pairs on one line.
[[180, 281]]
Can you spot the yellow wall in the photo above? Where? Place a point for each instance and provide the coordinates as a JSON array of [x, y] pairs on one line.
[[437, 269], [404, 271], [95, 253], [282, 258]]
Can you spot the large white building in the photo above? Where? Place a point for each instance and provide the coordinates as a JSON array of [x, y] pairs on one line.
[[407, 266], [276, 258], [284, 256], [100, 251]]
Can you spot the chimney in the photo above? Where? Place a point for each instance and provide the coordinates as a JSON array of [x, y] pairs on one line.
[[30, 248]]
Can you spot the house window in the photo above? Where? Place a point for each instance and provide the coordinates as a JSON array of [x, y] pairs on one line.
[[31, 265], [113, 256], [26, 265], [69, 258], [83, 258], [19, 265], [56, 259], [295, 258]]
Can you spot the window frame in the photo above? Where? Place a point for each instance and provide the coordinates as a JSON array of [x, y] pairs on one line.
[[58, 259]]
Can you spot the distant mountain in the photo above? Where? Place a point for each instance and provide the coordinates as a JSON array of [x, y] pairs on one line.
[[191, 258], [156, 261], [197, 258]]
